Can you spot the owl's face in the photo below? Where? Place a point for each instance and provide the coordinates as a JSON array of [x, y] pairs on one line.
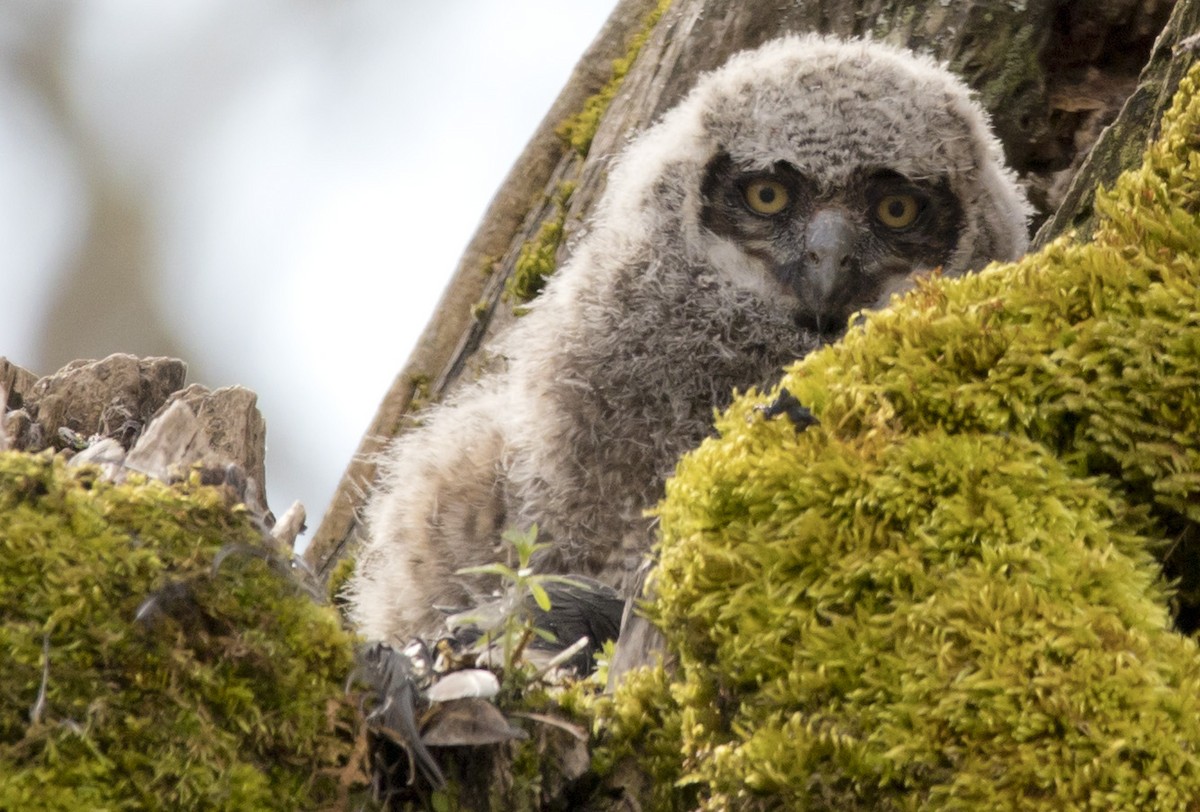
[[831, 248], [820, 175]]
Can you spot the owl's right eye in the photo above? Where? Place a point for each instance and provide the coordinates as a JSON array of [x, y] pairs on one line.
[[766, 196]]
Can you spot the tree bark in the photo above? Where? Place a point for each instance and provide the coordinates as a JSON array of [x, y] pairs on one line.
[[1051, 72], [1120, 146]]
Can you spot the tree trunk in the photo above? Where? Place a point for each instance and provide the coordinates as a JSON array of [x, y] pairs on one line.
[[1120, 146], [1052, 73]]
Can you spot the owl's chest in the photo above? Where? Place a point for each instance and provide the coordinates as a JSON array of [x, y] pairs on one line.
[[692, 338], [648, 378]]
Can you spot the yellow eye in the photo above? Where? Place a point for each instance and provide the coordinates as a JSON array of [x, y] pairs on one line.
[[766, 196], [897, 211]]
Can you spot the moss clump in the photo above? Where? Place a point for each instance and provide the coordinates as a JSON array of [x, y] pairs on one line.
[[536, 260], [944, 596], [226, 691], [943, 618], [339, 577], [641, 735], [421, 385], [578, 131]]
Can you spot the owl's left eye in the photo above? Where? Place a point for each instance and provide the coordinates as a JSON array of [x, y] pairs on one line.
[[766, 196], [898, 211]]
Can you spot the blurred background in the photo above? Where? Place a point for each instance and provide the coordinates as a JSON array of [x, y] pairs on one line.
[[232, 183]]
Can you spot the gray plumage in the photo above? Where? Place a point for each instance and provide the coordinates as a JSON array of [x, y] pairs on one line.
[[803, 181]]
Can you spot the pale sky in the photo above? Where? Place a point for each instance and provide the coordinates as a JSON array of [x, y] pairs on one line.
[[311, 170]]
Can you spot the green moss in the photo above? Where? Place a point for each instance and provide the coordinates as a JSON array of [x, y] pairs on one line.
[[946, 618], [420, 398], [339, 577], [481, 308], [578, 131], [536, 259], [641, 730], [945, 596], [226, 693]]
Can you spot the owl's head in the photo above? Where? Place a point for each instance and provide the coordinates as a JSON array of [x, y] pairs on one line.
[[822, 174]]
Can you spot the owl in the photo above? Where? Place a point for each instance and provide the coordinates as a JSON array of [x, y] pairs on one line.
[[802, 182]]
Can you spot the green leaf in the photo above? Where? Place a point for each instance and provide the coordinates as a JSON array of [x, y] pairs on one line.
[[539, 595], [508, 573]]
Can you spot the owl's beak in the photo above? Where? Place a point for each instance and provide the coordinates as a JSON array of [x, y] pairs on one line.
[[822, 276], [828, 244]]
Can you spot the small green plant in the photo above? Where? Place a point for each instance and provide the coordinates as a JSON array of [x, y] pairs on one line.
[[516, 626]]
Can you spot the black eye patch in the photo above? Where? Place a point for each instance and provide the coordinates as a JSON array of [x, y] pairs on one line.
[[918, 218], [741, 202]]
